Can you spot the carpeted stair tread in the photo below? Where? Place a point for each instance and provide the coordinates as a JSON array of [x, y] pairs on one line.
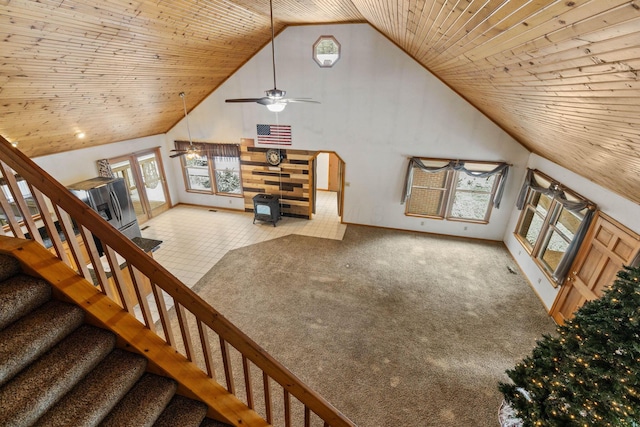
[[143, 404], [9, 266], [39, 386], [208, 422], [28, 338], [19, 295], [94, 397], [182, 412]]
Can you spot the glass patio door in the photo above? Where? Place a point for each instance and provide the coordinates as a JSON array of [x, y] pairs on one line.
[[153, 182], [144, 178]]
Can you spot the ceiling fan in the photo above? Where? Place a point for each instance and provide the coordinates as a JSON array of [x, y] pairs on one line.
[[192, 150], [274, 99]]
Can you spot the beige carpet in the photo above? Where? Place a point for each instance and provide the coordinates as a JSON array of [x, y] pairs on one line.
[[393, 328]]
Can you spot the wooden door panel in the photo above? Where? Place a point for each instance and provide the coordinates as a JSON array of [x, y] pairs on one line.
[[574, 299], [606, 249], [591, 265], [603, 235], [623, 249], [607, 277]]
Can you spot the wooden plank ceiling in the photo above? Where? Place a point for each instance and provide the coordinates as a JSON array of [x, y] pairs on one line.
[[559, 76]]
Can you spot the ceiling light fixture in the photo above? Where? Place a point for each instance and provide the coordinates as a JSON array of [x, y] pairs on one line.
[[276, 107], [274, 99], [80, 135]]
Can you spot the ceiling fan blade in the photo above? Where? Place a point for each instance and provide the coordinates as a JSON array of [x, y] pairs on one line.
[[274, 96], [308, 100], [177, 154], [244, 100]]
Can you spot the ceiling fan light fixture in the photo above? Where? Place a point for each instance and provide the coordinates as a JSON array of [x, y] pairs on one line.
[[275, 93], [192, 153], [276, 107], [274, 99]]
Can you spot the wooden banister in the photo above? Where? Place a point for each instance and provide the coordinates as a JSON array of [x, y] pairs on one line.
[[141, 267]]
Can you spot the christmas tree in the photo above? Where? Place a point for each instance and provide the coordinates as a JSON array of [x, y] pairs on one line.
[[588, 375]]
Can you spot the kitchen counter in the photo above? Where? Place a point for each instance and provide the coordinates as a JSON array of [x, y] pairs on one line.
[[147, 245], [46, 240]]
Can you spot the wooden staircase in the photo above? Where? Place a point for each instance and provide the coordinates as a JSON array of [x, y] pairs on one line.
[[57, 370], [177, 333]]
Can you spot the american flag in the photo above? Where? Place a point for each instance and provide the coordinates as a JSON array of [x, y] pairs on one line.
[[274, 134]]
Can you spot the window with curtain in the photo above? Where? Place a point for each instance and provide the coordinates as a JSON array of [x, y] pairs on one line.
[[552, 223], [213, 169], [452, 189]]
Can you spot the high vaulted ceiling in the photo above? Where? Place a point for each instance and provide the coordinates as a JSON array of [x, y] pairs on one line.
[[560, 76]]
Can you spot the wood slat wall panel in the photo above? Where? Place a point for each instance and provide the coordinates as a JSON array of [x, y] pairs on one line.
[[291, 182], [540, 69]]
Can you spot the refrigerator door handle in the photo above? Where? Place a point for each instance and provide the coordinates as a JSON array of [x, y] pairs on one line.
[[116, 205]]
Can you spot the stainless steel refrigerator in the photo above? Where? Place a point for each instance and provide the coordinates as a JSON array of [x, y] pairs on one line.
[[110, 198]]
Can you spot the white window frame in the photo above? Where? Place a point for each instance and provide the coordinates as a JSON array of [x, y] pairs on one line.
[[213, 166], [211, 171]]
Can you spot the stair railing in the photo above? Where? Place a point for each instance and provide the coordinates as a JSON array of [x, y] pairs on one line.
[[32, 201]]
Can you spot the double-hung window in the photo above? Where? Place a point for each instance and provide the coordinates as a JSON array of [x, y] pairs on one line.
[[454, 190], [197, 174], [212, 168], [552, 223], [226, 172]]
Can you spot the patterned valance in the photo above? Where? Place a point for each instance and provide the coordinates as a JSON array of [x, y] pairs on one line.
[[502, 169], [554, 190]]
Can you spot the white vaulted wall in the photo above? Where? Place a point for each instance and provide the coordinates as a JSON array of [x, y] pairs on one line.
[[378, 107]]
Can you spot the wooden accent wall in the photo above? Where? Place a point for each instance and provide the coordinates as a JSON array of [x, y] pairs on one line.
[[291, 181]]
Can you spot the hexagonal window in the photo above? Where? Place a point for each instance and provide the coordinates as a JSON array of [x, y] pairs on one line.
[[326, 51]]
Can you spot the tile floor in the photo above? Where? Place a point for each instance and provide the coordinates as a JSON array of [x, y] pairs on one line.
[[196, 238]]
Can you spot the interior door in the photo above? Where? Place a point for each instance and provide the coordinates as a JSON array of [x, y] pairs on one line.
[[314, 171], [334, 173], [606, 249], [340, 190]]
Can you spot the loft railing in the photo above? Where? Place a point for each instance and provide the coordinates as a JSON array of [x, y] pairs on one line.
[[32, 201]]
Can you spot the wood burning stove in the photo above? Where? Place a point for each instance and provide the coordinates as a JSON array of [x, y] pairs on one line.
[[266, 207]]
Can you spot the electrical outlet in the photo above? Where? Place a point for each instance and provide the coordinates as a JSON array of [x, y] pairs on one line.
[[421, 222], [465, 228], [230, 201], [539, 280]]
